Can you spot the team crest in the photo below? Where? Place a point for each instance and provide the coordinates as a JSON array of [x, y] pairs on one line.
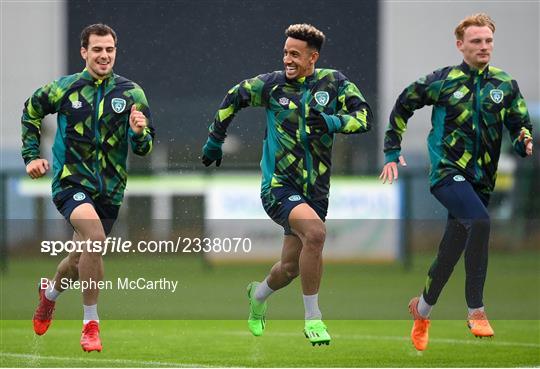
[[76, 104], [118, 105], [284, 101], [496, 95], [322, 97]]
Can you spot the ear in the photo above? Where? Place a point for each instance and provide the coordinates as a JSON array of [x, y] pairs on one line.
[[314, 57], [459, 45], [84, 53]]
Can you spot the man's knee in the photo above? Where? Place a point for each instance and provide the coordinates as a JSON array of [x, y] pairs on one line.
[[93, 248], [315, 238], [94, 233], [478, 220], [72, 261], [73, 258], [290, 269]]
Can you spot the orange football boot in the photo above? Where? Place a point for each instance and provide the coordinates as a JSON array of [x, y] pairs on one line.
[[90, 340], [479, 324], [419, 333], [44, 313]]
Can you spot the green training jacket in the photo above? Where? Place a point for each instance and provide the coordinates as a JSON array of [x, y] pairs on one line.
[[470, 108], [293, 154], [93, 132]]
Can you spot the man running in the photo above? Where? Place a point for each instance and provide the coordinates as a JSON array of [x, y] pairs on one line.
[[471, 102], [305, 107], [100, 115]]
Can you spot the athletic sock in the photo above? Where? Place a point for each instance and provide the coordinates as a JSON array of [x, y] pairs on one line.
[[475, 309], [424, 309], [51, 293], [90, 313], [263, 291], [311, 306]]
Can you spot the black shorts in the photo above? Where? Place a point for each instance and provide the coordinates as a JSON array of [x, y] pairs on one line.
[[279, 203], [67, 200]]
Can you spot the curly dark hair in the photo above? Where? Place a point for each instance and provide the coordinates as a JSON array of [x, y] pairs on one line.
[[308, 33], [98, 29]]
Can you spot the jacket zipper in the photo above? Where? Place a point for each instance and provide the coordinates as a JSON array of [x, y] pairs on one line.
[[97, 101], [476, 122], [304, 139]]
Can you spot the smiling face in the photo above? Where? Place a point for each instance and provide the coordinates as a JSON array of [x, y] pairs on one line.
[[100, 55], [476, 46], [298, 58]]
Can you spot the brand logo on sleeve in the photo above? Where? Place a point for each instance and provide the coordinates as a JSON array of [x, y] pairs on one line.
[[458, 94], [118, 105], [459, 178], [79, 196], [322, 97], [496, 95], [283, 101]]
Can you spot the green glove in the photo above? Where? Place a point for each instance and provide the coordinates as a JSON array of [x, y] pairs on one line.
[[212, 152]]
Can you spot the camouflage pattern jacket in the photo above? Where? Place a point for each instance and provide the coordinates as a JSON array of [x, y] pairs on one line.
[[293, 154], [470, 108], [93, 132]]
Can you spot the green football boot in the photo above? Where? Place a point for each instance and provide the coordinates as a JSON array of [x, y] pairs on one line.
[[316, 332], [256, 321]]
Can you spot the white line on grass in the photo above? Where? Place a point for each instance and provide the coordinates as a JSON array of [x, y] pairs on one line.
[[490, 341], [98, 360], [472, 341]]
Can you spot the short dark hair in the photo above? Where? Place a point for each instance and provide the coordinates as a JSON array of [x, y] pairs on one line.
[[98, 29], [308, 33]]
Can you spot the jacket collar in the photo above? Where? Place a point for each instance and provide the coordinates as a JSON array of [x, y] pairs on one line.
[[467, 69], [302, 80], [85, 74]]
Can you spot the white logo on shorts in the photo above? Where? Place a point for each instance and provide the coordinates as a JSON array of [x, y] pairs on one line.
[[76, 104], [295, 198], [79, 196], [459, 178]]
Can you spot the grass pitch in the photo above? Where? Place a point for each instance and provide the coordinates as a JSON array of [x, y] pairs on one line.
[[203, 324], [228, 343]]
